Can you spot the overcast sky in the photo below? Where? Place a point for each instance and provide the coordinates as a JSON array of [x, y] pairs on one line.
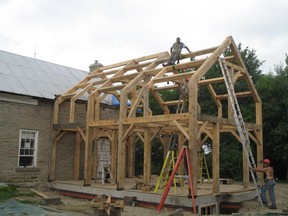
[[74, 33]]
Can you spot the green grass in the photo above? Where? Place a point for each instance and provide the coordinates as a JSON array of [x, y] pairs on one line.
[[7, 192], [10, 191]]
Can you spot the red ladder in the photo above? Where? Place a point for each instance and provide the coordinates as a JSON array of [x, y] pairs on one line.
[[183, 152]]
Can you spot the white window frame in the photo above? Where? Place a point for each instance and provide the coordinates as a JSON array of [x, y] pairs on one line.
[[29, 147]]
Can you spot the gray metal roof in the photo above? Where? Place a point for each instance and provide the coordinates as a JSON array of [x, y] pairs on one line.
[[34, 77]]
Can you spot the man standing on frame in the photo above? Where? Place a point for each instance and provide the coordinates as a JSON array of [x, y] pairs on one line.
[[175, 51]]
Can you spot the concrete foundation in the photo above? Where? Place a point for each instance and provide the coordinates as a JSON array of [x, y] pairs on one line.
[[207, 203]]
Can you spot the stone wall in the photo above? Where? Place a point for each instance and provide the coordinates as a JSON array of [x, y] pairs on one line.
[[65, 157], [16, 116]]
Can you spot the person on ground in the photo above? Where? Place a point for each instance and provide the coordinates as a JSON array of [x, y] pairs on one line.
[[269, 183], [175, 51]]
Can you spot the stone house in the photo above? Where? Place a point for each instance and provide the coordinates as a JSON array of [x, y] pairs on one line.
[[28, 88]]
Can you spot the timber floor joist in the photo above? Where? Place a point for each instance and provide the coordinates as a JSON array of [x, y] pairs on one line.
[[133, 83]]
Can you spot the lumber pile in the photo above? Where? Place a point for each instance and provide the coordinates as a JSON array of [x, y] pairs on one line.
[[107, 207], [46, 199]]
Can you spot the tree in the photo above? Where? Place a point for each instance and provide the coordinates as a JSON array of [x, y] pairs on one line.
[[273, 90]]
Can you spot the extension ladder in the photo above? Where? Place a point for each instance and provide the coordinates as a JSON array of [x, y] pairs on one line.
[[242, 130], [183, 152]]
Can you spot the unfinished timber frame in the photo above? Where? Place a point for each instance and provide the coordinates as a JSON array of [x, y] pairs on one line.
[[137, 79]]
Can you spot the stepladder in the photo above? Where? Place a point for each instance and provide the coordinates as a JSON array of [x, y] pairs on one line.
[[105, 164], [183, 154], [168, 165], [240, 124], [203, 168]]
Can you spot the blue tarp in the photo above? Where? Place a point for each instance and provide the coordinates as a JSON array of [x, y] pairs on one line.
[[112, 100]]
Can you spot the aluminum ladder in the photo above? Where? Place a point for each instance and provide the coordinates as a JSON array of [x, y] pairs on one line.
[[241, 128]]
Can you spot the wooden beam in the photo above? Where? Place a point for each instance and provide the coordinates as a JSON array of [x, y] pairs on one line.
[[121, 143], [76, 172], [58, 135], [247, 77], [145, 58], [183, 130], [147, 158], [114, 155], [155, 134], [130, 156], [135, 105], [127, 132], [88, 156], [174, 77], [193, 130], [212, 58], [217, 102], [238, 95], [140, 136], [215, 159]]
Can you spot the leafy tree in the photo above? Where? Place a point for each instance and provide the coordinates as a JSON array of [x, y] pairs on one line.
[[273, 90]]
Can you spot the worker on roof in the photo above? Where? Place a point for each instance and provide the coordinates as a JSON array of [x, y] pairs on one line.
[[269, 183], [175, 51]]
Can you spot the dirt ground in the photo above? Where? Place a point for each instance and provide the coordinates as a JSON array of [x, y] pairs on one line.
[[73, 206]]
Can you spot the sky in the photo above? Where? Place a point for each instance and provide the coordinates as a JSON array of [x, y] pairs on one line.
[[75, 33]]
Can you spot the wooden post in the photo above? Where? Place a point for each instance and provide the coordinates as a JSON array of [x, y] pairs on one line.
[[181, 142], [130, 156], [259, 134], [193, 130], [245, 169], [121, 142], [165, 143], [147, 157], [77, 156], [95, 159], [88, 157], [57, 137], [215, 158], [114, 155]]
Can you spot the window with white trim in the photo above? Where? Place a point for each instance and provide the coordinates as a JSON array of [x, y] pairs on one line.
[[28, 148]]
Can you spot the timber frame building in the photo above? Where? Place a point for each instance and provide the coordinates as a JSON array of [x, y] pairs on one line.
[[134, 81]]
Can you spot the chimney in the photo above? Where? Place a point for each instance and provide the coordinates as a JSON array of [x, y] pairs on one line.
[[95, 65]]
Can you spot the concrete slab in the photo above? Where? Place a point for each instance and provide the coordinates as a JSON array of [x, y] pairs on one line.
[[233, 193]]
